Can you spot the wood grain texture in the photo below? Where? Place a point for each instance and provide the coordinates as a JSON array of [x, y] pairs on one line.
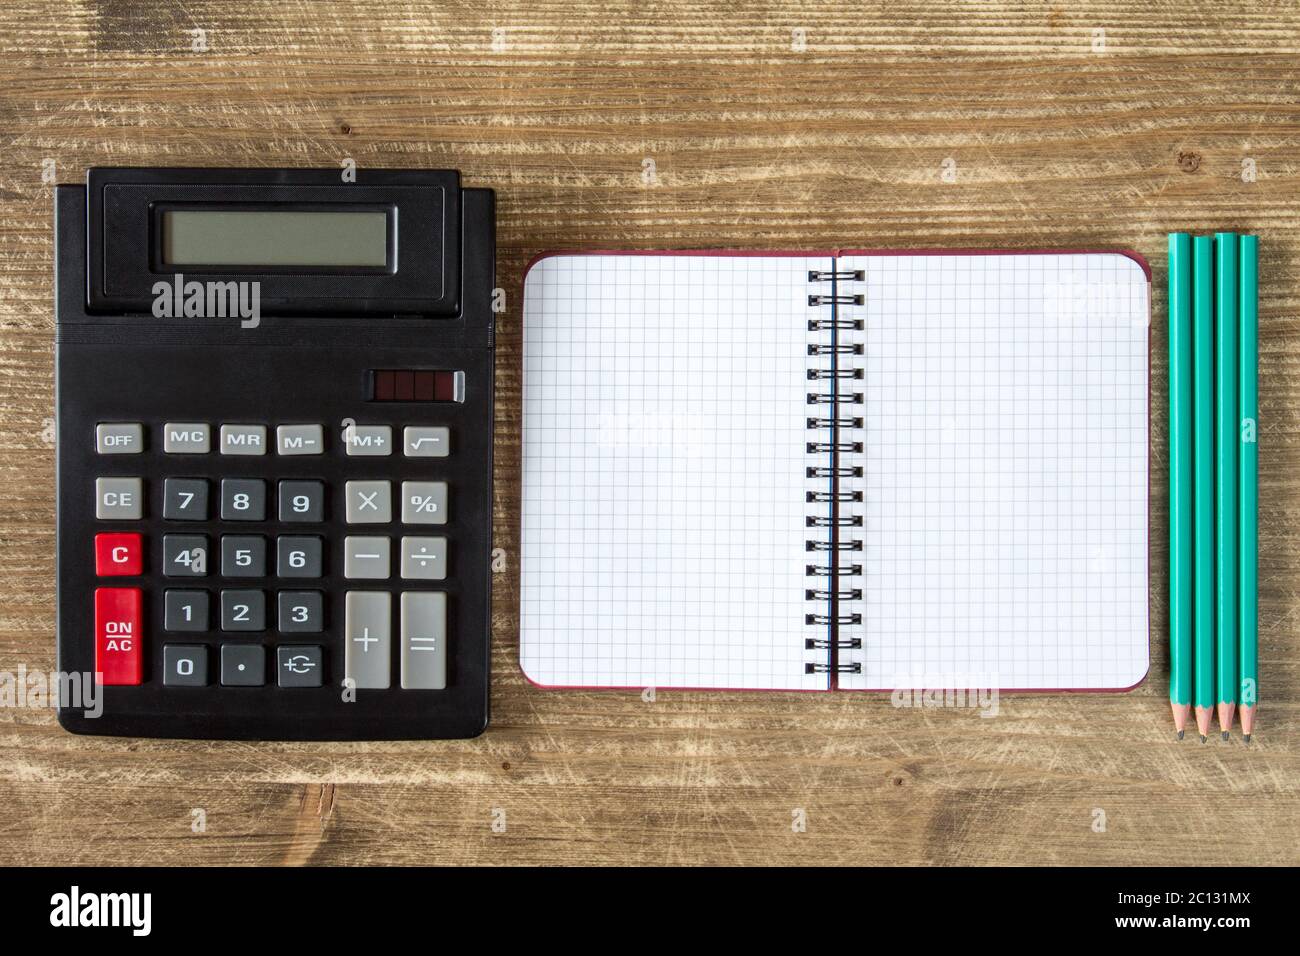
[[1057, 142]]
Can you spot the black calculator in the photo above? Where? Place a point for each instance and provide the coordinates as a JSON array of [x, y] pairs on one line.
[[274, 425]]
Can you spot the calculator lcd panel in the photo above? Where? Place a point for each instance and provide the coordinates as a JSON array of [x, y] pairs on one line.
[[252, 543]]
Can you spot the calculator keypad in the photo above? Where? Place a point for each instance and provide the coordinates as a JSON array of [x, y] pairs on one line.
[[257, 559]]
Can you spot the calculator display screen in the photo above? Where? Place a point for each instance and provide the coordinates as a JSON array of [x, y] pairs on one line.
[[274, 237]]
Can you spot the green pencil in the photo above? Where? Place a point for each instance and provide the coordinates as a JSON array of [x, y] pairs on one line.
[[1226, 441], [1180, 478], [1203, 477], [1248, 387]]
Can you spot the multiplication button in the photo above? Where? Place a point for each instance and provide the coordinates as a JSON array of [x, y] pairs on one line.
[[369, 502]]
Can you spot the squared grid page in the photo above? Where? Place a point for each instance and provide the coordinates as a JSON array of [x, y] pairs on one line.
[[1005, 460], [664, 472]]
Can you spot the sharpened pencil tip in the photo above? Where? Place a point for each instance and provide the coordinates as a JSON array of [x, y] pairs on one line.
[[1204, 738], [1225, 735], [1180, 735], [1245, 738]]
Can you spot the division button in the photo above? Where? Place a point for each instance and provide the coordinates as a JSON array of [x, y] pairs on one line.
[[119, 438], [424, 559]]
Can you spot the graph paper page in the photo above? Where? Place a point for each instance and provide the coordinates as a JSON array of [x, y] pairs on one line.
[[664, 472], [1004, 471]]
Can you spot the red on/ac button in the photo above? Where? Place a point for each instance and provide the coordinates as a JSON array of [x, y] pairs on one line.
[[118, 554], [119, 635]]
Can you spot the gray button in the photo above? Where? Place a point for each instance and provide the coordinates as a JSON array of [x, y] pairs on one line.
[[424, 558], [421, 441], [298, 556], [365, 557], [424, 640], [185, 499], [243, 439], [243, 556], [243, 665], [119, 438], [299, 439], [369, 502], [302, 612], [119, 499], [243, 611], [302, 501], [185, 555], [367, 638], [187, 438], [299, 665], [424, 502], [243, 499], [185, 665], [185, 610], [368, 440]]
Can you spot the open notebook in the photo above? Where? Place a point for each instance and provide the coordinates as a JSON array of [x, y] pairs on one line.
[[861, 470]]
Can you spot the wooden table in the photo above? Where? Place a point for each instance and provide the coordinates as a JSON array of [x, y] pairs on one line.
[[780, 125]]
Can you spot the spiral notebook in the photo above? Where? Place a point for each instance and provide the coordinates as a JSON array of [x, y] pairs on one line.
[[855, 470]]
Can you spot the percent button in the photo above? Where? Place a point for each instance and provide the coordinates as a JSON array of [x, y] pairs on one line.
[[424, 502]]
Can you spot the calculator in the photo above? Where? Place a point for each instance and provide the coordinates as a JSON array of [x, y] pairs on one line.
[[274, 431]]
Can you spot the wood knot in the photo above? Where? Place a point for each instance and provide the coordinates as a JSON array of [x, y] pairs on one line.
[[1188, 161], [345, 129]]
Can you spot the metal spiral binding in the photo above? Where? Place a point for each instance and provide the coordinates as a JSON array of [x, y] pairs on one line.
[[834, 422]]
